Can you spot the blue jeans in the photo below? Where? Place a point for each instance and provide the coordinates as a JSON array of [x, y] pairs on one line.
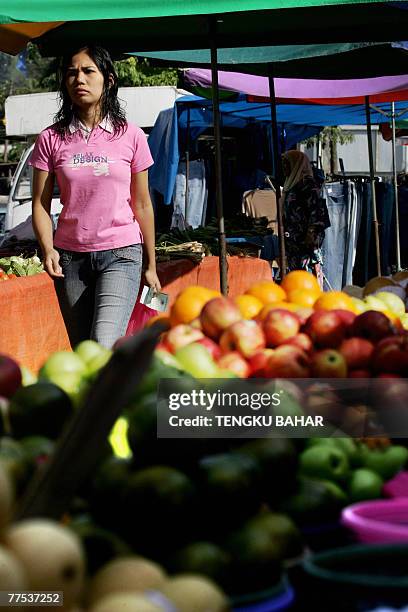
[[98, 292], [335, 239]]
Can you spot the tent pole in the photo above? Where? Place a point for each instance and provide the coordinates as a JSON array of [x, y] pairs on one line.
[[218, 165], [394, 173], [186, 195], [276, 166], [372, 180]]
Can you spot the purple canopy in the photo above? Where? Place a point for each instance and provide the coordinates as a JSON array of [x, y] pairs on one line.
[[345, 91]]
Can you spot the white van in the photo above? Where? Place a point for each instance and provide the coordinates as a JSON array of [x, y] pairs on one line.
[[19, 205]]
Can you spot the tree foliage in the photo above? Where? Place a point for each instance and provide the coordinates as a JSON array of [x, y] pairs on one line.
[[39, 74], [332, 135], [133, 72]]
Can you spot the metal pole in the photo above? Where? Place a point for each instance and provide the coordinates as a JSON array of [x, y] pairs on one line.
[[218, 162], [186, 197], [372, 180], [276, 165], [394, 173]]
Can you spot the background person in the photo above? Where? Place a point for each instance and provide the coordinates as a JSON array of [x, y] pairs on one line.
[[305, 214], [100, 163]]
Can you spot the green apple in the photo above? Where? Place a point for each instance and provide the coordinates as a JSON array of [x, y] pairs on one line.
[[88, 349], [197, 361], [387, 461], [337, 492], [61, 363], [98, 362], [351, 448], [364, 484], [75, 388], [167, 358], [324, 462], [27, 377]]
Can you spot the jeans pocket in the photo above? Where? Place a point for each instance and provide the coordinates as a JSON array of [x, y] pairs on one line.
[[133, 252], [65, 257]]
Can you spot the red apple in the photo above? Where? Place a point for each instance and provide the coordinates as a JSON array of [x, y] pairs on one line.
[[347, 316], [326, 328], [391, 355], [212, 347], [288, 362], [328, 363], [359, 374], [217, 315], [234, 362], [245, 336], [10, 375], [304, 313], [372, 325], [258, 362], [180, 335], [280, 325], [357, 352], [302, 341], [161, 346]]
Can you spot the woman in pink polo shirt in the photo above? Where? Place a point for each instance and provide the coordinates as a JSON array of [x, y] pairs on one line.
[[100, 163]]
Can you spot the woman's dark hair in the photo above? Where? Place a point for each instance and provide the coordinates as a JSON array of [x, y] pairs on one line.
[[110, 105]]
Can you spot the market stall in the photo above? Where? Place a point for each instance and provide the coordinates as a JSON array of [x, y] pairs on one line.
[[32, 324]]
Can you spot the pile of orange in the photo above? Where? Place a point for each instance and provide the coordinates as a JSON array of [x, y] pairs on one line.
[[189, 303], [299, 291]]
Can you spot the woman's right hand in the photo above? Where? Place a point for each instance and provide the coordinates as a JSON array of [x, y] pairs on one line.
[[52, 265]]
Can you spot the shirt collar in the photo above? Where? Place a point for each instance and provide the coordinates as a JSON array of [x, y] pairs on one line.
[[105, 124]]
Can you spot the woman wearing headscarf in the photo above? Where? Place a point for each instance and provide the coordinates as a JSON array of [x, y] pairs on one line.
[[305, 215]]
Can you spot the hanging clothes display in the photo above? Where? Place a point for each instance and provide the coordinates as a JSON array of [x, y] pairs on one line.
[[385, 206], [258, 203], [197, 195], [403, 221], [340, 243]]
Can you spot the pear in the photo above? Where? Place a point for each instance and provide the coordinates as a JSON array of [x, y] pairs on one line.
[[12, 574], [126, 602], [126, 574], [188, 592], [51, 555]]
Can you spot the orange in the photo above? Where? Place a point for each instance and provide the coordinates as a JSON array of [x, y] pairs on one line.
[[189, 303], [268, 307], [300, 279], [161, 318], [334, 299], [249, 305], [267, 291], [303, 297]]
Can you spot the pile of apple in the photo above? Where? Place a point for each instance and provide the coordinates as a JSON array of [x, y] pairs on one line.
[[386, 294], [285, 344]]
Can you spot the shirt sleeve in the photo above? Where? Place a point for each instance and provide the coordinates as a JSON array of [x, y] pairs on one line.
[[142, 158], [42, 157]]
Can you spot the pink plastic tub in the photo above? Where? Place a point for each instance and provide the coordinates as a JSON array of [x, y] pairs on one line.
[[378, 521]]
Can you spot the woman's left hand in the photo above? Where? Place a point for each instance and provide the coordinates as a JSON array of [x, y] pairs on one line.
[[152, 279]]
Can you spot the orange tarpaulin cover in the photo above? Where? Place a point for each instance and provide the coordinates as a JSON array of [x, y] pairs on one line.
[[32, 325]]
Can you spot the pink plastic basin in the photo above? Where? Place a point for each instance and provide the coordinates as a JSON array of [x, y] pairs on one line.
[[378, 521]]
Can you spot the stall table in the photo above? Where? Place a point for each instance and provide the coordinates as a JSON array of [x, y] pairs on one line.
[[32, 324]]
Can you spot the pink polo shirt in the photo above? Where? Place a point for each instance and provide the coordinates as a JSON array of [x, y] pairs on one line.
[[94, 179]]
